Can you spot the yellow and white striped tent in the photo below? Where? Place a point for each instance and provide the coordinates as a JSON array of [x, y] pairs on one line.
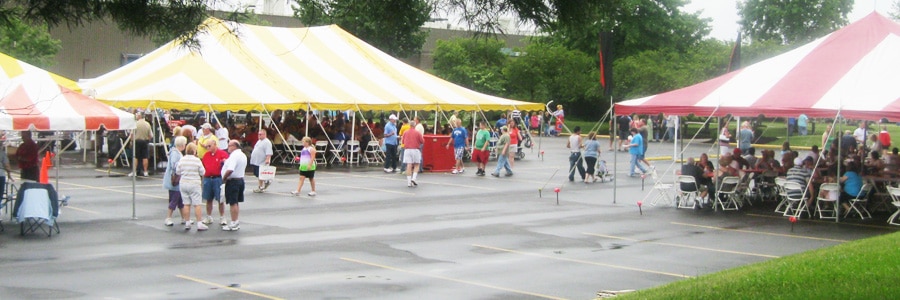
[[247, 67]]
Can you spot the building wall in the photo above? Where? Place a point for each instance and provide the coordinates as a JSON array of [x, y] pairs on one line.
[[97, 48]]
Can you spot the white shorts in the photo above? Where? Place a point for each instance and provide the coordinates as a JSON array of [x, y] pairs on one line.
[[191, 194], [412, 156], [513, 148]]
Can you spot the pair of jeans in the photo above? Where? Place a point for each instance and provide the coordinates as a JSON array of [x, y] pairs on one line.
[[390, 156], [590, 161], [634, 163], [670, 133], [503, 162], [575, 163]]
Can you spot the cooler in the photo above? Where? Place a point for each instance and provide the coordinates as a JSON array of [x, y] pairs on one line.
[[435, 155]]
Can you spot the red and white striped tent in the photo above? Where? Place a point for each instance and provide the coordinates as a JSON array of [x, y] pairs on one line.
[[855, 70], [34, 99]]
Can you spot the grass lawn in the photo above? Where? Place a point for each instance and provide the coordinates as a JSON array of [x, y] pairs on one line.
[[863, 269], [772, 133]]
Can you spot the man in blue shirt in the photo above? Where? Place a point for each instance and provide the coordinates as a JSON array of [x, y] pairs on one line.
[[801, 124], [636, 148], [459, 138], [390, 145]]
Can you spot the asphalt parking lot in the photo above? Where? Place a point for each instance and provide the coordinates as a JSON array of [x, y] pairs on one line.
[[366, 235]]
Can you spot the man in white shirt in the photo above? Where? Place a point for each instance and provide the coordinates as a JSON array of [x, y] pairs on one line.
[[261, 156], [233, 174], [861, 133], [221, 134]]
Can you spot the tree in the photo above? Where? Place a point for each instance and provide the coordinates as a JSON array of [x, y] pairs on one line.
[[476, 64], [896, 13], [146, 17], [551, 71], [242, 15], [792, 22], [30, 43], [394, 26]]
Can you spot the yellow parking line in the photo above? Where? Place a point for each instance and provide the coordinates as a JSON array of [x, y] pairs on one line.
[[469, 282], [112, 190], [825, 222], [681, 245], [762, 232], [243, 291], [83, 210], [583, 261]]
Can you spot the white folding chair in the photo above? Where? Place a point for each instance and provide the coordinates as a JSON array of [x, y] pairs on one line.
[[822, 203], [663, 190], [373, 153], [492, 147], [795, 195], [895, 197], [781, 196], [353, 152], [858, 203], [726, 193], [337, 154], [321, 150], [687, 198]]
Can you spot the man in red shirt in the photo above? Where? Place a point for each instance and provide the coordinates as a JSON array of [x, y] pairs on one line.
[[412, 153], [27, 154], [212, 180]]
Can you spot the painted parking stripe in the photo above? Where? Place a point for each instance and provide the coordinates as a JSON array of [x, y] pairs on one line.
[[681, 245], [112, 190], [82, 210], [234, 289], [826, 222], [582, 261], [469, 282], [761, 232]]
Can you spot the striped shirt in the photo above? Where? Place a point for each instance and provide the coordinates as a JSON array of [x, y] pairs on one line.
[[191, 169], [801, 175]]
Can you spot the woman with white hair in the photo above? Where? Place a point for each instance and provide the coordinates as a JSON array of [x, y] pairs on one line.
[[170, 183]]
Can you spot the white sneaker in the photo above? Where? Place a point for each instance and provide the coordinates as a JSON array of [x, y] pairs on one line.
[[131, 174], [461, 171], [387, 170], [202, 227], [234, 226], [188, 224], [311, 194], [169, 222], [222, 221], [146, 174], [454, 172], [208, 220]]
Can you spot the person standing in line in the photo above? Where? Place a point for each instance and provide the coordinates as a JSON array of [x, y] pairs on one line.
[[535, 122], [412, 155], [746, 137], [459, 139], [624, 124], [513, 141], [671, 121], [212, 180], [170, 181], [802, 120], [862, 133], [574, 146], [261, 156], [635, 148], [827, 138], [884, 137], [142, 135], [642, 129], [190, 171], [221, 134], [501, 122], [205, 136], [390, 145], [27, 156], [481, 153], [724, 139], [591, 154], [307, 167], [503, 153], [233, 174]]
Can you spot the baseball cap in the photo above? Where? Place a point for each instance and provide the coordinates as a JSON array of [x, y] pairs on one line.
[[392, 117], [206, 126]]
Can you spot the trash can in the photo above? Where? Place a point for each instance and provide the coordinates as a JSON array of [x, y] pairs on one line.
[[435, 155]]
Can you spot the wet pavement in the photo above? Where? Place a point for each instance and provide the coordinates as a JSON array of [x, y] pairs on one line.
[[366, 235]]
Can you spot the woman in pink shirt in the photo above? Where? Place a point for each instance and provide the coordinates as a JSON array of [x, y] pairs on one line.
[[513, 141]]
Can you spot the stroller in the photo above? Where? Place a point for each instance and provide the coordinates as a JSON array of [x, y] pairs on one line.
[[524, 134], [603, 173]]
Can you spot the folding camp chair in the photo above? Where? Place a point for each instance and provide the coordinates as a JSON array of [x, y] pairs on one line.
[[37, 208]]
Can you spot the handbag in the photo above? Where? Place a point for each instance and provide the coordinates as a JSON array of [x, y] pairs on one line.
[[175, 179], [266, 172]]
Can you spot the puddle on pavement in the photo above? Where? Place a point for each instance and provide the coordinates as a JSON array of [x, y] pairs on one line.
[[616, 246]]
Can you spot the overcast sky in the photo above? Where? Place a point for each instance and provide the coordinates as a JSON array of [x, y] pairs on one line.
[[724, 14]]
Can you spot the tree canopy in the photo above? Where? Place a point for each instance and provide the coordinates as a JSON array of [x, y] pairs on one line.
[[792, 22], [394, 26], [30, 43]]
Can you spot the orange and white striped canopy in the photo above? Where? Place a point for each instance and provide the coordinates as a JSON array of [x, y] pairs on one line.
[[34, 99], [246, 67]]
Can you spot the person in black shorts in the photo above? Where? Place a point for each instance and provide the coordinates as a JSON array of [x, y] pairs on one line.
[[624, 125]]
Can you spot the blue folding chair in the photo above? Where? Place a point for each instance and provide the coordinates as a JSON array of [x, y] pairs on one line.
[[37, 208]]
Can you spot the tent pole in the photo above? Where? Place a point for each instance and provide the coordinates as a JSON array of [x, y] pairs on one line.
[[133, 180], [616, 151]]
